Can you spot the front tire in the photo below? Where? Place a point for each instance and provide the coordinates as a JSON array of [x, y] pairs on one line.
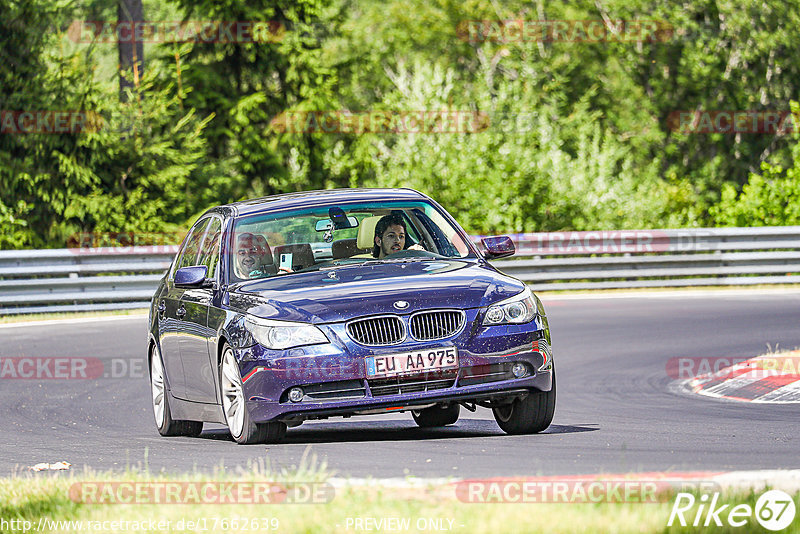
[[166, 425], [437, 415], [237, 417], [530, 415]]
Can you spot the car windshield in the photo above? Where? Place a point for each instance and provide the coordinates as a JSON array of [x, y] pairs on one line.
[[283, 243]]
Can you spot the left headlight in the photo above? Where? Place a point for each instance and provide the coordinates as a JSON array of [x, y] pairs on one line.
[[518, 309], [283, 335]]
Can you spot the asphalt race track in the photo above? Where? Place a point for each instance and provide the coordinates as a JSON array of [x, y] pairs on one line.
[[615, 411]]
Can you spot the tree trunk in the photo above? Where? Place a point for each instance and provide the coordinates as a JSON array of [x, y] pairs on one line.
[[131, 51]]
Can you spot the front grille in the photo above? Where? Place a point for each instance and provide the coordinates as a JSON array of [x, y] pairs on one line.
[[398, 385], [438, 324], [376, 331]]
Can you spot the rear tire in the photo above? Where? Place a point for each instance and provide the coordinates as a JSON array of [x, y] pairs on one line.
[[437, 415], [166, 425], [530, 415], [237, 416]]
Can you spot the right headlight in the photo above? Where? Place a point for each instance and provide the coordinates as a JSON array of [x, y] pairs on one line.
[[283, 334], [518, 309]]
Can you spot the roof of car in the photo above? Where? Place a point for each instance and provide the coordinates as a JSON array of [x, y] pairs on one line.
[[302, 199]]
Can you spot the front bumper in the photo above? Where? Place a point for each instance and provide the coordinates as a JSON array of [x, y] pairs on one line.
[[334, 377], [262, 410]]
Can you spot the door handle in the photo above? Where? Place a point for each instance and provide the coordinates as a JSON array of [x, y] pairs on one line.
[[180, 312]]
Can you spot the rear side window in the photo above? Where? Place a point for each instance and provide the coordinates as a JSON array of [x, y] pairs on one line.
[[191, 247]]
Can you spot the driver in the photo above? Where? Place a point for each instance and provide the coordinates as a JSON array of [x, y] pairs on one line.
[[390, 236], [253, 257]]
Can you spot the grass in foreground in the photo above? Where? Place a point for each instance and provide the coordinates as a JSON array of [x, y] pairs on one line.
[[45, 498]]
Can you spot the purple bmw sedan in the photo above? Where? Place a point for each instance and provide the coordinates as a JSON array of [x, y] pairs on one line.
[[343, 302]]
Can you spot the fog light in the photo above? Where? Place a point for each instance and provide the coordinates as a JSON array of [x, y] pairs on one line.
[[519, 370], [296, 394]]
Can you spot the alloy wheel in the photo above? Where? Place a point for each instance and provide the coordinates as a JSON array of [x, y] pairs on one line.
[[158, 388], [232, 393]]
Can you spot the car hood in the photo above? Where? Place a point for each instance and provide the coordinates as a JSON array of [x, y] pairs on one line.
[[346, 292]]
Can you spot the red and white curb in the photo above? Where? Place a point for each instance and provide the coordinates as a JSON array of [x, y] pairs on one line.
[[764, 379]]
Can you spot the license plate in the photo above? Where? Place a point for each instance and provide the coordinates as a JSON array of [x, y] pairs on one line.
[[411, 362]]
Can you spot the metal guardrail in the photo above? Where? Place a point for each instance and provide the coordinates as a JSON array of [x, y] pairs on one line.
[[656, 258], [79, 279], [115, 278]]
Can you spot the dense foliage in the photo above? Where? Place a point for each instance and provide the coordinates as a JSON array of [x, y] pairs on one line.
[[566, 134]]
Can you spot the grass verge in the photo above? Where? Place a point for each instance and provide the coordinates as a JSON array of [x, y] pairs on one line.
[[40, 501]]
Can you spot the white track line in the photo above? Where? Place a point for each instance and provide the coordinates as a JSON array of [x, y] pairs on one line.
[[545, 296], [79, 320]]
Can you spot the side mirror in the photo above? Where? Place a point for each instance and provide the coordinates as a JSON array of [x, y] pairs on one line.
[[191, 277], [497, 247]]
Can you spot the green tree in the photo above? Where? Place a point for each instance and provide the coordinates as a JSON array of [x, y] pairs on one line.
[[768, 199], [246, 84], [131, 170]]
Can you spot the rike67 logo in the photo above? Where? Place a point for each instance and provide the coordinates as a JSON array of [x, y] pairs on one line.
[[774, 510]]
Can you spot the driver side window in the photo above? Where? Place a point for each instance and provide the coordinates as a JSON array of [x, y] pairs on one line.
[[209, 254], [191, 247]]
